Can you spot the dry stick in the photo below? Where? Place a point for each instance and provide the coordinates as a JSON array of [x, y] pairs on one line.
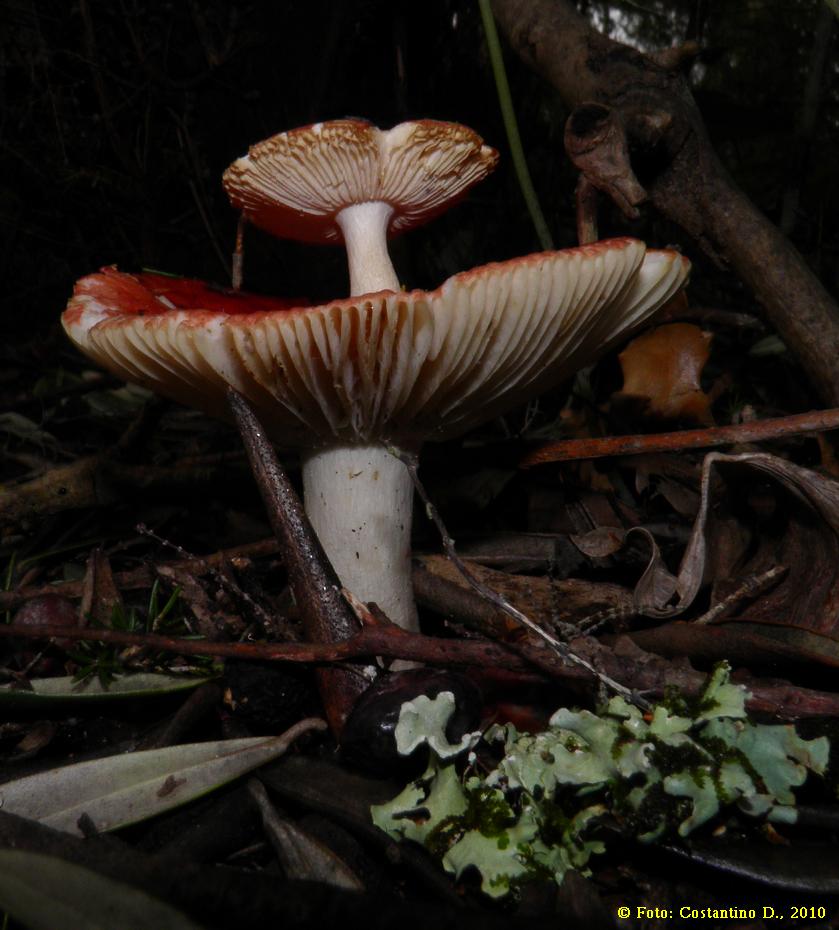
[[238, 255], [144, 575], [94, 481], [317, 591], [567, 450], [689, 185], [387, 641], [222, 580], [750, 588], [410, 462], [781, 699]]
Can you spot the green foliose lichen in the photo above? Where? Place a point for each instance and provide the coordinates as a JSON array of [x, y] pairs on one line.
[[536, 814]]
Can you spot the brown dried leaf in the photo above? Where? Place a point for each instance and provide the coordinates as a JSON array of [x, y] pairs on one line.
[[808, 596], [661, 374], [600, 542], [101, 597]]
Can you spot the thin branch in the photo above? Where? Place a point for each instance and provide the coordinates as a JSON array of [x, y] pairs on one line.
[[326, 615], [750, 588], [684, 178], [648, 673], [567, 450], [144, 575], [388, 641], [561, 648]]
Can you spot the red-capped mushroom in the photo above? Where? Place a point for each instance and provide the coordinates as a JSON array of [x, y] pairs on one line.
[[344, 380], [348, 180]]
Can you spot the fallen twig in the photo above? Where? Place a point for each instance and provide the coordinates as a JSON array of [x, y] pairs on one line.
[[326, 615], [144, 575], [654, 109], [98, 481], [561, 648], [641, 670], [566, 450], [388, 641]]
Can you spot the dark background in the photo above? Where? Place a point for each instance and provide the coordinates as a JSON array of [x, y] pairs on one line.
[[118, 119]]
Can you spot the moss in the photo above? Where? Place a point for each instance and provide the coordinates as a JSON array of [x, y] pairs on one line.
[[487, 812], [669, 759], [536, 870], [656, 808], [723, 753], [441, 839], [675, 703], [624, 738], [555, 822]]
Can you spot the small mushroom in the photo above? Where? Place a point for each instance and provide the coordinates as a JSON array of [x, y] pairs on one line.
[[344, 380], [348, 180]]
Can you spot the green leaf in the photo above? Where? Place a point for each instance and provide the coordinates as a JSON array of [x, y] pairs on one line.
[[66, 688], [44, 892], [119, 790]]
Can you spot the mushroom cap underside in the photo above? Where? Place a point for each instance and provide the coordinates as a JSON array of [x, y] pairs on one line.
[[294, 184], [402, 366]]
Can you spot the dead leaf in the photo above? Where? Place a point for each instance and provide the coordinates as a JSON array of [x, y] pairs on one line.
[[803, 537], [600, 542], [661, 375], [101, 598]]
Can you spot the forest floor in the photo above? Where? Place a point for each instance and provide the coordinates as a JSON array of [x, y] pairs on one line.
[[133, 530]]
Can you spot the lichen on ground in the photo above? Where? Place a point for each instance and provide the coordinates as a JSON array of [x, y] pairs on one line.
[[536, 814]]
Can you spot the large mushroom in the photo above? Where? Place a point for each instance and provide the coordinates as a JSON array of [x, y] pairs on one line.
[[344, 380]]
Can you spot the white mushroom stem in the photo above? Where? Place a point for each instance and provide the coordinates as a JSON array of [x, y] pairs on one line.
[[359, 497], [364, 226], [359, 500]]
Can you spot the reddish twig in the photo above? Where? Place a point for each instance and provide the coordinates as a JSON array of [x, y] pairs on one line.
[[566, 450], [144, 575], [642, 671], [389, 641]]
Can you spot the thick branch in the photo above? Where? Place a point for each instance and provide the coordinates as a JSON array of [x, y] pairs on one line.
[[687, 182]]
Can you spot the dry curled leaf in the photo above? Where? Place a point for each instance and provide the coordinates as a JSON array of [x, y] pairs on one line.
[[661, 375], [806, 542]]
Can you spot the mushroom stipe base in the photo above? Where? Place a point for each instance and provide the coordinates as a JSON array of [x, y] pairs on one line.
[[359, 500]]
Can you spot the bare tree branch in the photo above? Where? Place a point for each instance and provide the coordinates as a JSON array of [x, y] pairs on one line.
[[687, 182]]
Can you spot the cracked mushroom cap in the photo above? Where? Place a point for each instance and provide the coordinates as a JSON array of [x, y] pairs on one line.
[[296, 183], [401, 366]]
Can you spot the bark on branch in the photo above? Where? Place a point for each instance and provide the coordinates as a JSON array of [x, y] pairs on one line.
[[683, 177]]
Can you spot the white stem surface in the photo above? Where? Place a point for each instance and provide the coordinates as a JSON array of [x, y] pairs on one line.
[[359, 499], [364, 226]]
